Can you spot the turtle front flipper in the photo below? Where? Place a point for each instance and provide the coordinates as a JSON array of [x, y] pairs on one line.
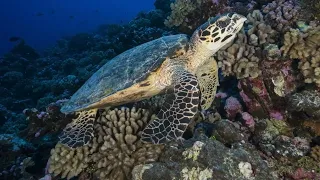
[[207, 75], [177, 111], [80, 131]]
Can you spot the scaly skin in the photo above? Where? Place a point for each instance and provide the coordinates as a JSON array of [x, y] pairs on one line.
[[204, 43]]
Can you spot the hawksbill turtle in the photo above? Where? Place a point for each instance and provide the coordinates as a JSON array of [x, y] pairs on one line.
[[176, 64]]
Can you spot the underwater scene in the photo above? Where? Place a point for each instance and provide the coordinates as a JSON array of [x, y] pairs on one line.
[[160, 90]]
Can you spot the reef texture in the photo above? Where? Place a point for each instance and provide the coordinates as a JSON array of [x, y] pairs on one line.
[[282, 14], [242, 57], [305, 101], [305, 46], [188, 15], [263, 124], [51, 121], [197, 159], [114, 151]]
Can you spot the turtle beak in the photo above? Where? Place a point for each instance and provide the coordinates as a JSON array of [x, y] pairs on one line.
[[239, 22]]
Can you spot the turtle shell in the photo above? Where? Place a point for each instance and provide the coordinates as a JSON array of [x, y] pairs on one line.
[[125, 70]]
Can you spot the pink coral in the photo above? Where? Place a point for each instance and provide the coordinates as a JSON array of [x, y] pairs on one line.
[[276, 115], [301, 173], [46, 177], [232, 107], [252, 105], [41, 115], [248, 119], [215, 2], [221, 95], [38, 133]]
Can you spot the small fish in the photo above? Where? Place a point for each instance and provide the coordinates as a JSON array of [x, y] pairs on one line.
[[97, 10], [14, 39], [39, 14], [71, 17], [52, 11]]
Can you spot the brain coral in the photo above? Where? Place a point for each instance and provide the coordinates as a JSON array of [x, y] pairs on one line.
[[114, 151]]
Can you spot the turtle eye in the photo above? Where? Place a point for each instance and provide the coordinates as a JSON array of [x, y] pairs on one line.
[[223, 23]]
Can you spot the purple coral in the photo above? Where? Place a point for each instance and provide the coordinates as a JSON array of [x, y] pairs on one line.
[[232, 107], [281, 14], [248, 119]]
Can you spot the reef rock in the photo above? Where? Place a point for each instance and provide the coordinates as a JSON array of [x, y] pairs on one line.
[[204, 158]]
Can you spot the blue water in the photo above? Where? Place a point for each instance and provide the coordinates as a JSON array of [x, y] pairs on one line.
[[42, 22]]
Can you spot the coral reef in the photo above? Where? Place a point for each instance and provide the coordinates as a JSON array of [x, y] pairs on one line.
[[282, 14], [304, 45], [232, 163], [310, 9], [188, 15], [301, 45], [114, 150], [12, 149], [275, 138], [163, 5], [268, 100], [80, 42], [41, 123], [232, 107], [315, 153], [312, 125], [25, 51], [242, 57], [223, 130], [307, 101]]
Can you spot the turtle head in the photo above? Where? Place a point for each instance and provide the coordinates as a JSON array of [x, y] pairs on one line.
[[219, 31]]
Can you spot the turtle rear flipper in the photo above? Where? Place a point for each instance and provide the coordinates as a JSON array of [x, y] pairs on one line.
[[177, 111], [80, 131]]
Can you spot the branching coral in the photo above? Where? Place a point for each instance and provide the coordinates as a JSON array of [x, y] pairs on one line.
[[305, 46], [243, 56], [301, 45], [315, 153], [114, 150], [281, 14], [311, 69], [187, 15]]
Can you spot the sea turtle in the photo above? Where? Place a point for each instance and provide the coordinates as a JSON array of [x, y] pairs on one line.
[[176, 64]]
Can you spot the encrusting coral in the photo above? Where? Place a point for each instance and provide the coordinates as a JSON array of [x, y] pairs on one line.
[[307, 101], [310, 9], [114, 151]]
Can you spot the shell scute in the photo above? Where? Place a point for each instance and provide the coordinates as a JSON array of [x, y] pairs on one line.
[[125, 70]]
